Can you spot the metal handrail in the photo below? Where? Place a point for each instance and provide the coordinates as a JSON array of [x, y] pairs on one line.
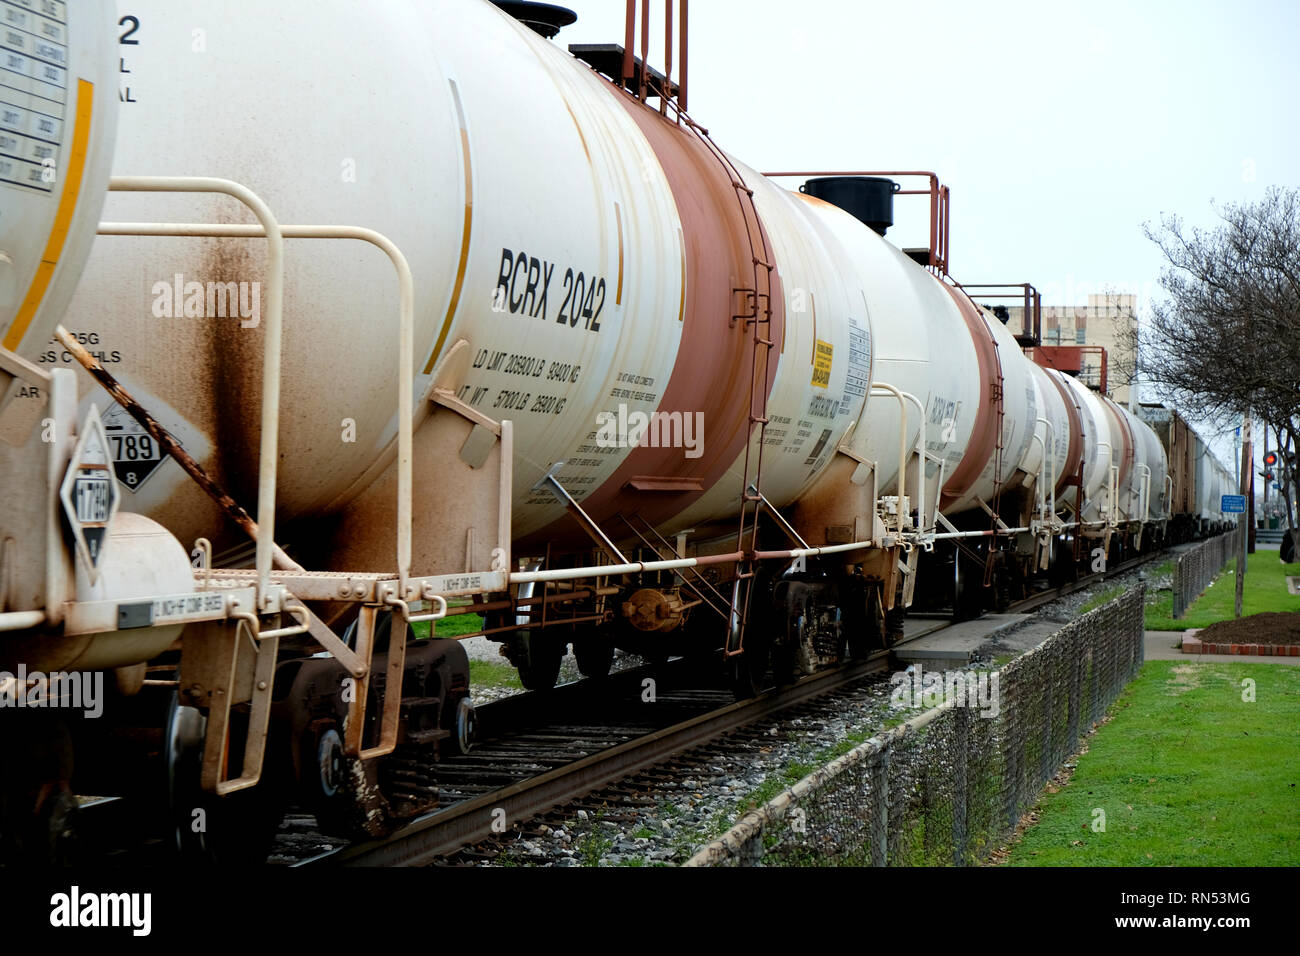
[[903, 399], [268, 455], [406, 348]]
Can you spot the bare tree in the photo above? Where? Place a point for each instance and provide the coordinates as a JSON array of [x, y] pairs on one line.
[[1227, 337]]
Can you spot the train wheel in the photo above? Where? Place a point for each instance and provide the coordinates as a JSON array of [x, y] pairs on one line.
[[1118, 551], [867, 632], [595, 655], [1061, 567], [329, 798], [1004, 583], [894, 621], [537, 656], [234, 830], [747, 672], [466, 726], [967, 587]]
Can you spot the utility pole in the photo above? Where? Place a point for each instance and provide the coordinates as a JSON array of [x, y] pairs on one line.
[[1247, 518], [1250, 509]]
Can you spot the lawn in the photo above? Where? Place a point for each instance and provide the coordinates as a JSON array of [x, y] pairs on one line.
[[452, 626], [1187, 773], [481, 673], [1264, 590]]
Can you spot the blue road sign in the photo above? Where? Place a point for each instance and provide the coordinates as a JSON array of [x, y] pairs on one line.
[[1233, 504]]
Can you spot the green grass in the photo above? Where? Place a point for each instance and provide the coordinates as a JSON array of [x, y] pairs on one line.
[[492, 674], [1264, 590], [591, 849], [1163, 568], [453, 626], [481, 673], [1187, 773]]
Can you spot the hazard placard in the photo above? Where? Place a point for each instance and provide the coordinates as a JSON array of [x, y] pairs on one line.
[[135, 453], [89, 492]]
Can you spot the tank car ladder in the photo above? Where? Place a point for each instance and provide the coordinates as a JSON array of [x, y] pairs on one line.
[[756, 312]]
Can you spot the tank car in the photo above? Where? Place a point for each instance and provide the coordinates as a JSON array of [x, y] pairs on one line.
[[600, 383]]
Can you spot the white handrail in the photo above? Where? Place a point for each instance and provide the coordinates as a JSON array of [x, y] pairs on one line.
[[903, 399], [1146, 493], [1051, 474], [1109, 453], [268, 455], [1042, 477], [406, 348]]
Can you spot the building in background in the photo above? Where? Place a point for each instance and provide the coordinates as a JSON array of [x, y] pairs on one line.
[[1108, 321]]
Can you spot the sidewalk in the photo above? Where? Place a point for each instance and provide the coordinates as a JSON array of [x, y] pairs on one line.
[[1158, 648]]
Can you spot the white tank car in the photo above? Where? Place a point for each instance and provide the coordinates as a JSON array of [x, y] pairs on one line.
[[58, 113], [1052, 408], [1098, 443], [920, 345], [554, 242], [1148, 498], [546, 238]]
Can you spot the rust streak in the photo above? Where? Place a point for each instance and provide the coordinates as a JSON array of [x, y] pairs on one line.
[[618, 220], [169, 444], [465, 231], [578, 126]]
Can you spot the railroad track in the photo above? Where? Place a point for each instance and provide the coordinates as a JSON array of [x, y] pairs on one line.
[[617, 753], [538, 752], [471, 820]]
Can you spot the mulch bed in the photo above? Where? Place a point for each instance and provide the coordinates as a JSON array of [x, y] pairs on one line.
[[1271, 634], [1271, 627]]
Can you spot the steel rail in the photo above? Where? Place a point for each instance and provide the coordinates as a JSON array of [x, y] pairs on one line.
[[445, 831]]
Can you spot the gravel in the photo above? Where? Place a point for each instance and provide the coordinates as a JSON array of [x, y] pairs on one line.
[[685, 814]]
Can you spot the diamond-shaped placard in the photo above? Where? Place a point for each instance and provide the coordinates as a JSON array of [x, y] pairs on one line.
[[134, 452], [89, 493]]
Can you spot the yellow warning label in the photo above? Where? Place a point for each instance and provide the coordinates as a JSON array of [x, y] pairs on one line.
[[822, 364]]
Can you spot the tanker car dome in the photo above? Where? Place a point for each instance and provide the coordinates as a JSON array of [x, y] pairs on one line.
[[544, 18], [869, 199]]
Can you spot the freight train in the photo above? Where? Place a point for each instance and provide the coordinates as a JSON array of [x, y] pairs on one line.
[[472, 324]]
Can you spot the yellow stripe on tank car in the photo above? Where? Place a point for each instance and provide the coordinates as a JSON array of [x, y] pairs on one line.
[[618, 222], [62, 217], [465, 231], [681, 303]]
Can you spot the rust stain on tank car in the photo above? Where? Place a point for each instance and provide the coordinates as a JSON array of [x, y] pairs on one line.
[[234, 401], [984, 436], [715, 358]]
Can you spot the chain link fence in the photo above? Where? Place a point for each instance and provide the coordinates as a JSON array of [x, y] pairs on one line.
[[1197, 567], [946, 787]]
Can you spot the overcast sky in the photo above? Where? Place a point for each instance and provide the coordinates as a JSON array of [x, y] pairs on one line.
[[1060, 128]]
